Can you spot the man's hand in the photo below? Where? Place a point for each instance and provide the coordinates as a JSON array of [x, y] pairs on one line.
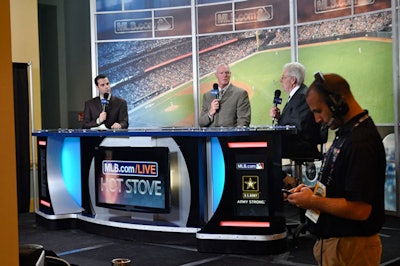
[[275, 112], [116, 126], [301, 196], [214, 107], [102, 117]]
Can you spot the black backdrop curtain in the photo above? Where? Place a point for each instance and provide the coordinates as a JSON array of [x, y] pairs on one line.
[[21, 111]]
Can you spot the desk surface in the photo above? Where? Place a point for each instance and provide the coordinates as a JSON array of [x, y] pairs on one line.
[[166, 131]]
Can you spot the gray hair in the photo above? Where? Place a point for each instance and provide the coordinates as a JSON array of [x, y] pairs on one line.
[[296, 70], [222, 64]]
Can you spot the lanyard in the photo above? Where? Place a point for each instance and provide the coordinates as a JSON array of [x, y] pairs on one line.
[[325, 175]]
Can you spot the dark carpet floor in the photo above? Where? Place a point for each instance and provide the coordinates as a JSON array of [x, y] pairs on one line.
[[82, 248]]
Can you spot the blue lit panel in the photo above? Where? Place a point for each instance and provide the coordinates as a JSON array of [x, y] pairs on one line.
[[217, 172], [71, 167]]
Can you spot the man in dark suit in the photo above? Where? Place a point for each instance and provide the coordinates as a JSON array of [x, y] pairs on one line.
[[297, 113], [105, 111], [230, 107]]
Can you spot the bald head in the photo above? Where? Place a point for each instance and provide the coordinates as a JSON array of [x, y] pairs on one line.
[[332, 84], [335, 92]]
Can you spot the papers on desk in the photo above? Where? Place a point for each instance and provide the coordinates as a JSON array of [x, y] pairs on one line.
[[101, 127]]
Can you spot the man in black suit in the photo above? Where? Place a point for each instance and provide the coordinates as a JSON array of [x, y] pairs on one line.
[[297, 113], [105, 111]]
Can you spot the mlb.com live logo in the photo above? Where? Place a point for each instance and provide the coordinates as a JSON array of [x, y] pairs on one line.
[[130, 168]]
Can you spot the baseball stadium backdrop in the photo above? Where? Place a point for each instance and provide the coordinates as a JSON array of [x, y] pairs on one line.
[[160, 56]]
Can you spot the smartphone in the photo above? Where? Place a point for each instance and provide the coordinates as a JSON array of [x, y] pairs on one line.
[[286, 191]]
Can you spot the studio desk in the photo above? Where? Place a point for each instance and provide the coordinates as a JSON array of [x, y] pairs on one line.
[[219, 184]]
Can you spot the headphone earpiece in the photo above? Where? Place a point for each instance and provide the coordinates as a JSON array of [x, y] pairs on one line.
[[334, 101]]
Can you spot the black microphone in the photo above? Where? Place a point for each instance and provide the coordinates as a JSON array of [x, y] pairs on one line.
[[104, 101], [215, 91], [277, 100]]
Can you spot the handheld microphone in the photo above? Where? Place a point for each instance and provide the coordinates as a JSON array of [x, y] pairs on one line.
[[215, 91], [104, 101], [277, 100]]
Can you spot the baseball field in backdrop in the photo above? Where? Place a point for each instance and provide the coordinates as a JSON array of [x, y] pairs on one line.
[[366, 63]]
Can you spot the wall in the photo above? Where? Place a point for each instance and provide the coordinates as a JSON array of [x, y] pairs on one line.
[[8, 195], [18, 24], [78, 63], [25, 48], [66, 76], [25, 44]]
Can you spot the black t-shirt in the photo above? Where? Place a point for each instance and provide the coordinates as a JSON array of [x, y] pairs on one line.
[[358, 174]]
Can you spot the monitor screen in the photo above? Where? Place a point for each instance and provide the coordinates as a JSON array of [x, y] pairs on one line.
[[133, 178]]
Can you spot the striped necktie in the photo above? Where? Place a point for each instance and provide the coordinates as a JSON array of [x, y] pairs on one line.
[[221, 92]]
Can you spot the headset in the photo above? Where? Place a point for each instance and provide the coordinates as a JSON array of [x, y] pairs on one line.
[[334, 101]]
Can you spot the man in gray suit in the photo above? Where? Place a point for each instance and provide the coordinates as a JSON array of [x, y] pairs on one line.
[[230, 107]]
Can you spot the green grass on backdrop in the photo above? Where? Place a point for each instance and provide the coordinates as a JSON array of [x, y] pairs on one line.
[[365, 64]]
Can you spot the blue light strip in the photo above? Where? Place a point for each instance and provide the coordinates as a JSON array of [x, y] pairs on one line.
[[71, 167], [217, 172]]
